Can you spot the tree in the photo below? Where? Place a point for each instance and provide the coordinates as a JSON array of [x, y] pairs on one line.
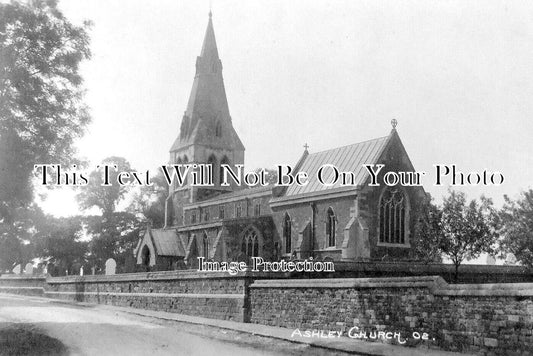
[[114, 233], [468, 230], [16, 237], [41, 108], [517, 227], [105, 197], [150, 201], [60, 241], [427, 232], [113, 236]]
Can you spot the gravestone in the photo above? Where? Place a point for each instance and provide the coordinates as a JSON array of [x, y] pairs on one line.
[[110, 266], [17, 269], [28, 269]]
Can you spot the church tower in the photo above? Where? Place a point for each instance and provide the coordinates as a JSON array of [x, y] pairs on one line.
[[206, 133]]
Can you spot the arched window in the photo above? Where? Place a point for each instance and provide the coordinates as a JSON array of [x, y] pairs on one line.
[[392, 216], [224, 160], [212, 160], [287, 229], [331, 223], [218, 129], [192, 260], [206, 246], [256, 246], [250, 243], [145, 255]]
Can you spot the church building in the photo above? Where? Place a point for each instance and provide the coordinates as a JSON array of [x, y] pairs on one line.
[[355, 222]]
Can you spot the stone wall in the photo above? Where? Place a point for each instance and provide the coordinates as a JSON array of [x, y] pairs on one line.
[[484, 318], [22, 284], [212, 295], [467, 273]]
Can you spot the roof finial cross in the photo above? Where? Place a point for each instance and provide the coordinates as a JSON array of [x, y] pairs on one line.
[[306, 146], [394, 122]]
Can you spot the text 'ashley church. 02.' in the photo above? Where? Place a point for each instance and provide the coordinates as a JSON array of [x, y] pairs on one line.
[[234, 223]]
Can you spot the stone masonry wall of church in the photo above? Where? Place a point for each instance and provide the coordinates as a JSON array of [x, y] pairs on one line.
[[301, 215], [264, 225], [395, 160]]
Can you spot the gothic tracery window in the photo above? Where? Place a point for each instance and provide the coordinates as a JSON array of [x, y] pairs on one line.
[[392, 216], [250, 243]]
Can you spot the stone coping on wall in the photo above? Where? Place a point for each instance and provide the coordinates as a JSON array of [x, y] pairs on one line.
[[378, 282], [434, 268], [153, 295], [22, 277], [437, 285], [149, 276], [12, 288], [490, 289]]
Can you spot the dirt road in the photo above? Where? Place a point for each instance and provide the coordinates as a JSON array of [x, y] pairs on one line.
[[37, 326]]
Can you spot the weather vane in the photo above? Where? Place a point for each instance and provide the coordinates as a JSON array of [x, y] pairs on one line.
[[394, 122]]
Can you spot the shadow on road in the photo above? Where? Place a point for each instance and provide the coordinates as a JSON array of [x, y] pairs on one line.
[[26, 339]]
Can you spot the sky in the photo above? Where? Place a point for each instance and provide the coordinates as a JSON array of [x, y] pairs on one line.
[[456, 75]]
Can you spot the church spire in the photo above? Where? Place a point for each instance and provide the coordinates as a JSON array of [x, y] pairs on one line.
[[207, 119], [209, 47]]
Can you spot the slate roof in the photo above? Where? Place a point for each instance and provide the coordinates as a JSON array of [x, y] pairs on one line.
[[166, 242], [347, 158]]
